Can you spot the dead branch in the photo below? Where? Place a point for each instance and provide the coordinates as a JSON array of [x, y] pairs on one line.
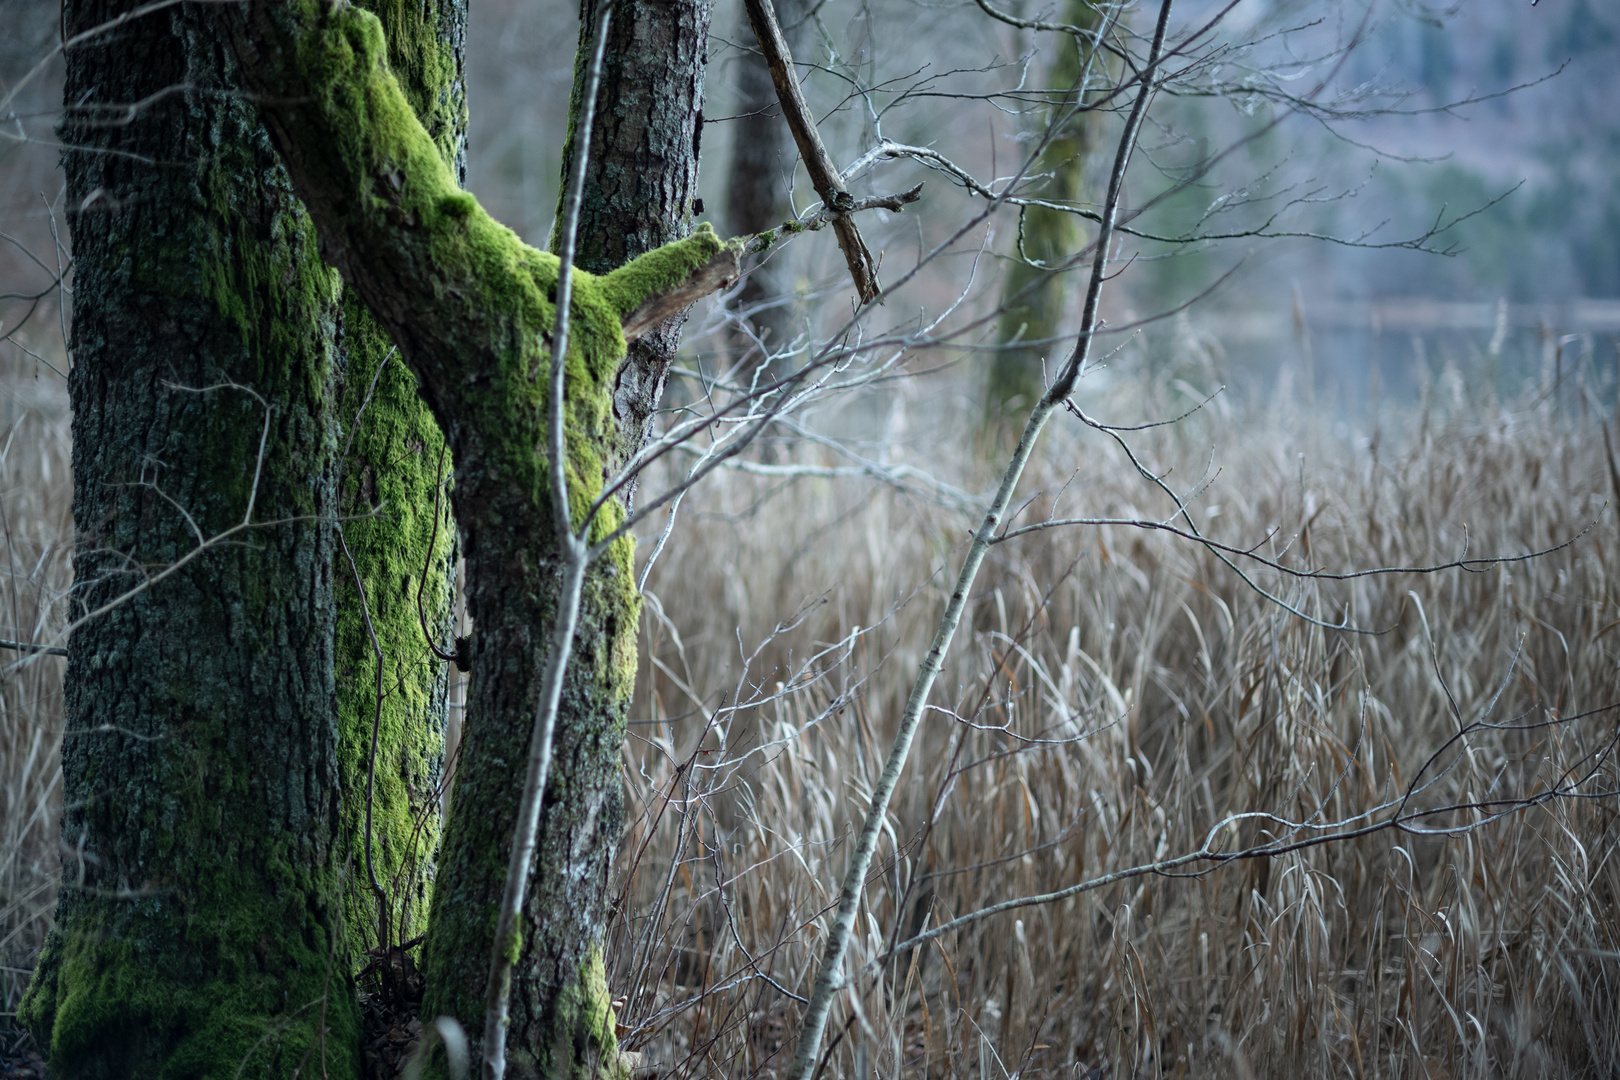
[[823, 173]]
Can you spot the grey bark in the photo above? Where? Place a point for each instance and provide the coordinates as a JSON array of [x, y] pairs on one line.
[[199, 928], [641, 177]]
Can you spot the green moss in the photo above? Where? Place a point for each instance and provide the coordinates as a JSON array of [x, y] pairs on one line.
[[387, 493], [227, 964], [387, 498], [513, 947], [457, 204], [660, 270], [586, 1026], [257, 1005], [422, 56], [393, 201]]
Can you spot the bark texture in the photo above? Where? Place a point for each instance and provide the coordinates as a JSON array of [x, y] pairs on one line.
[[641, 178], [199, 930], [387, 480], [1035, 293], [470, 307]]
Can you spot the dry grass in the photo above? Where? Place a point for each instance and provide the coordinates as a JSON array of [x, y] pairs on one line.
[[1120, 694], [35, 570]]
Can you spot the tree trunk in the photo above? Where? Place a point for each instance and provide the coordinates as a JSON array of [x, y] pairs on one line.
[[1034, 296], [763, 158], [469, 306], [387, 485], [640, 185], [199, 928], [641, 177]]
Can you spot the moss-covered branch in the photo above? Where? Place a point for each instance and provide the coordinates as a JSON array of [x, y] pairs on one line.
[[462, 295]]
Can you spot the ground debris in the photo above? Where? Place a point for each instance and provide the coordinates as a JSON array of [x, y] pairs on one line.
[[390, 999], [19, 1057]]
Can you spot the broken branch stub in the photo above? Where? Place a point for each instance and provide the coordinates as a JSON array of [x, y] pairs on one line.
[[716, 274]]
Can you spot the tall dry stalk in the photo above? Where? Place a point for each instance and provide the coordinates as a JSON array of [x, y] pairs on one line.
[[1124, 692], [35, 570]]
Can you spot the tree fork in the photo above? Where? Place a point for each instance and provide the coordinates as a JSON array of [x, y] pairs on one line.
[[470, 308]]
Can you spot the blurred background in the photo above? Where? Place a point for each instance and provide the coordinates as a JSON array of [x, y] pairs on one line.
[[1497, 117]]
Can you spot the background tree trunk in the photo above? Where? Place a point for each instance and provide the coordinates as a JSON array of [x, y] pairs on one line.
[[199, 928], [763, 158], [1034, 298]]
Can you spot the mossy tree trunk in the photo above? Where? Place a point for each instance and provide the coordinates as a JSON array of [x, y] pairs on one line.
[[640, 191], [641, 176], [199, 930], [386, 495], [470, 307], [1034, 293]]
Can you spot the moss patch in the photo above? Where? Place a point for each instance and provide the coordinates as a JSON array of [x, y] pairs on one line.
[[387, 497], [473, 307], [585, 1026]]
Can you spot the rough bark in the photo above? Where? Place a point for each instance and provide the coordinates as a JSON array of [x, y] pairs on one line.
[[199, 930], [641, 180], [763, 158], [386, 489], [1034, 296], [470, 307]]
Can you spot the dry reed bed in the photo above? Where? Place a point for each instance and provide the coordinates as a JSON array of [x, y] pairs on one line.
[[36, 532], [1119, 694]]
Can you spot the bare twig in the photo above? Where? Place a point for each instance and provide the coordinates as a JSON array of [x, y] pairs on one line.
[[824, 215], [32, 649], [829, 978], [576, 557], [823, 173]]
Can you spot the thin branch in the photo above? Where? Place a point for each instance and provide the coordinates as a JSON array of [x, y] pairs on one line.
[[1490, 810], [1461, 563], [819, 218], [829, 977], [32, 649], [823, 173], [576, 557]]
